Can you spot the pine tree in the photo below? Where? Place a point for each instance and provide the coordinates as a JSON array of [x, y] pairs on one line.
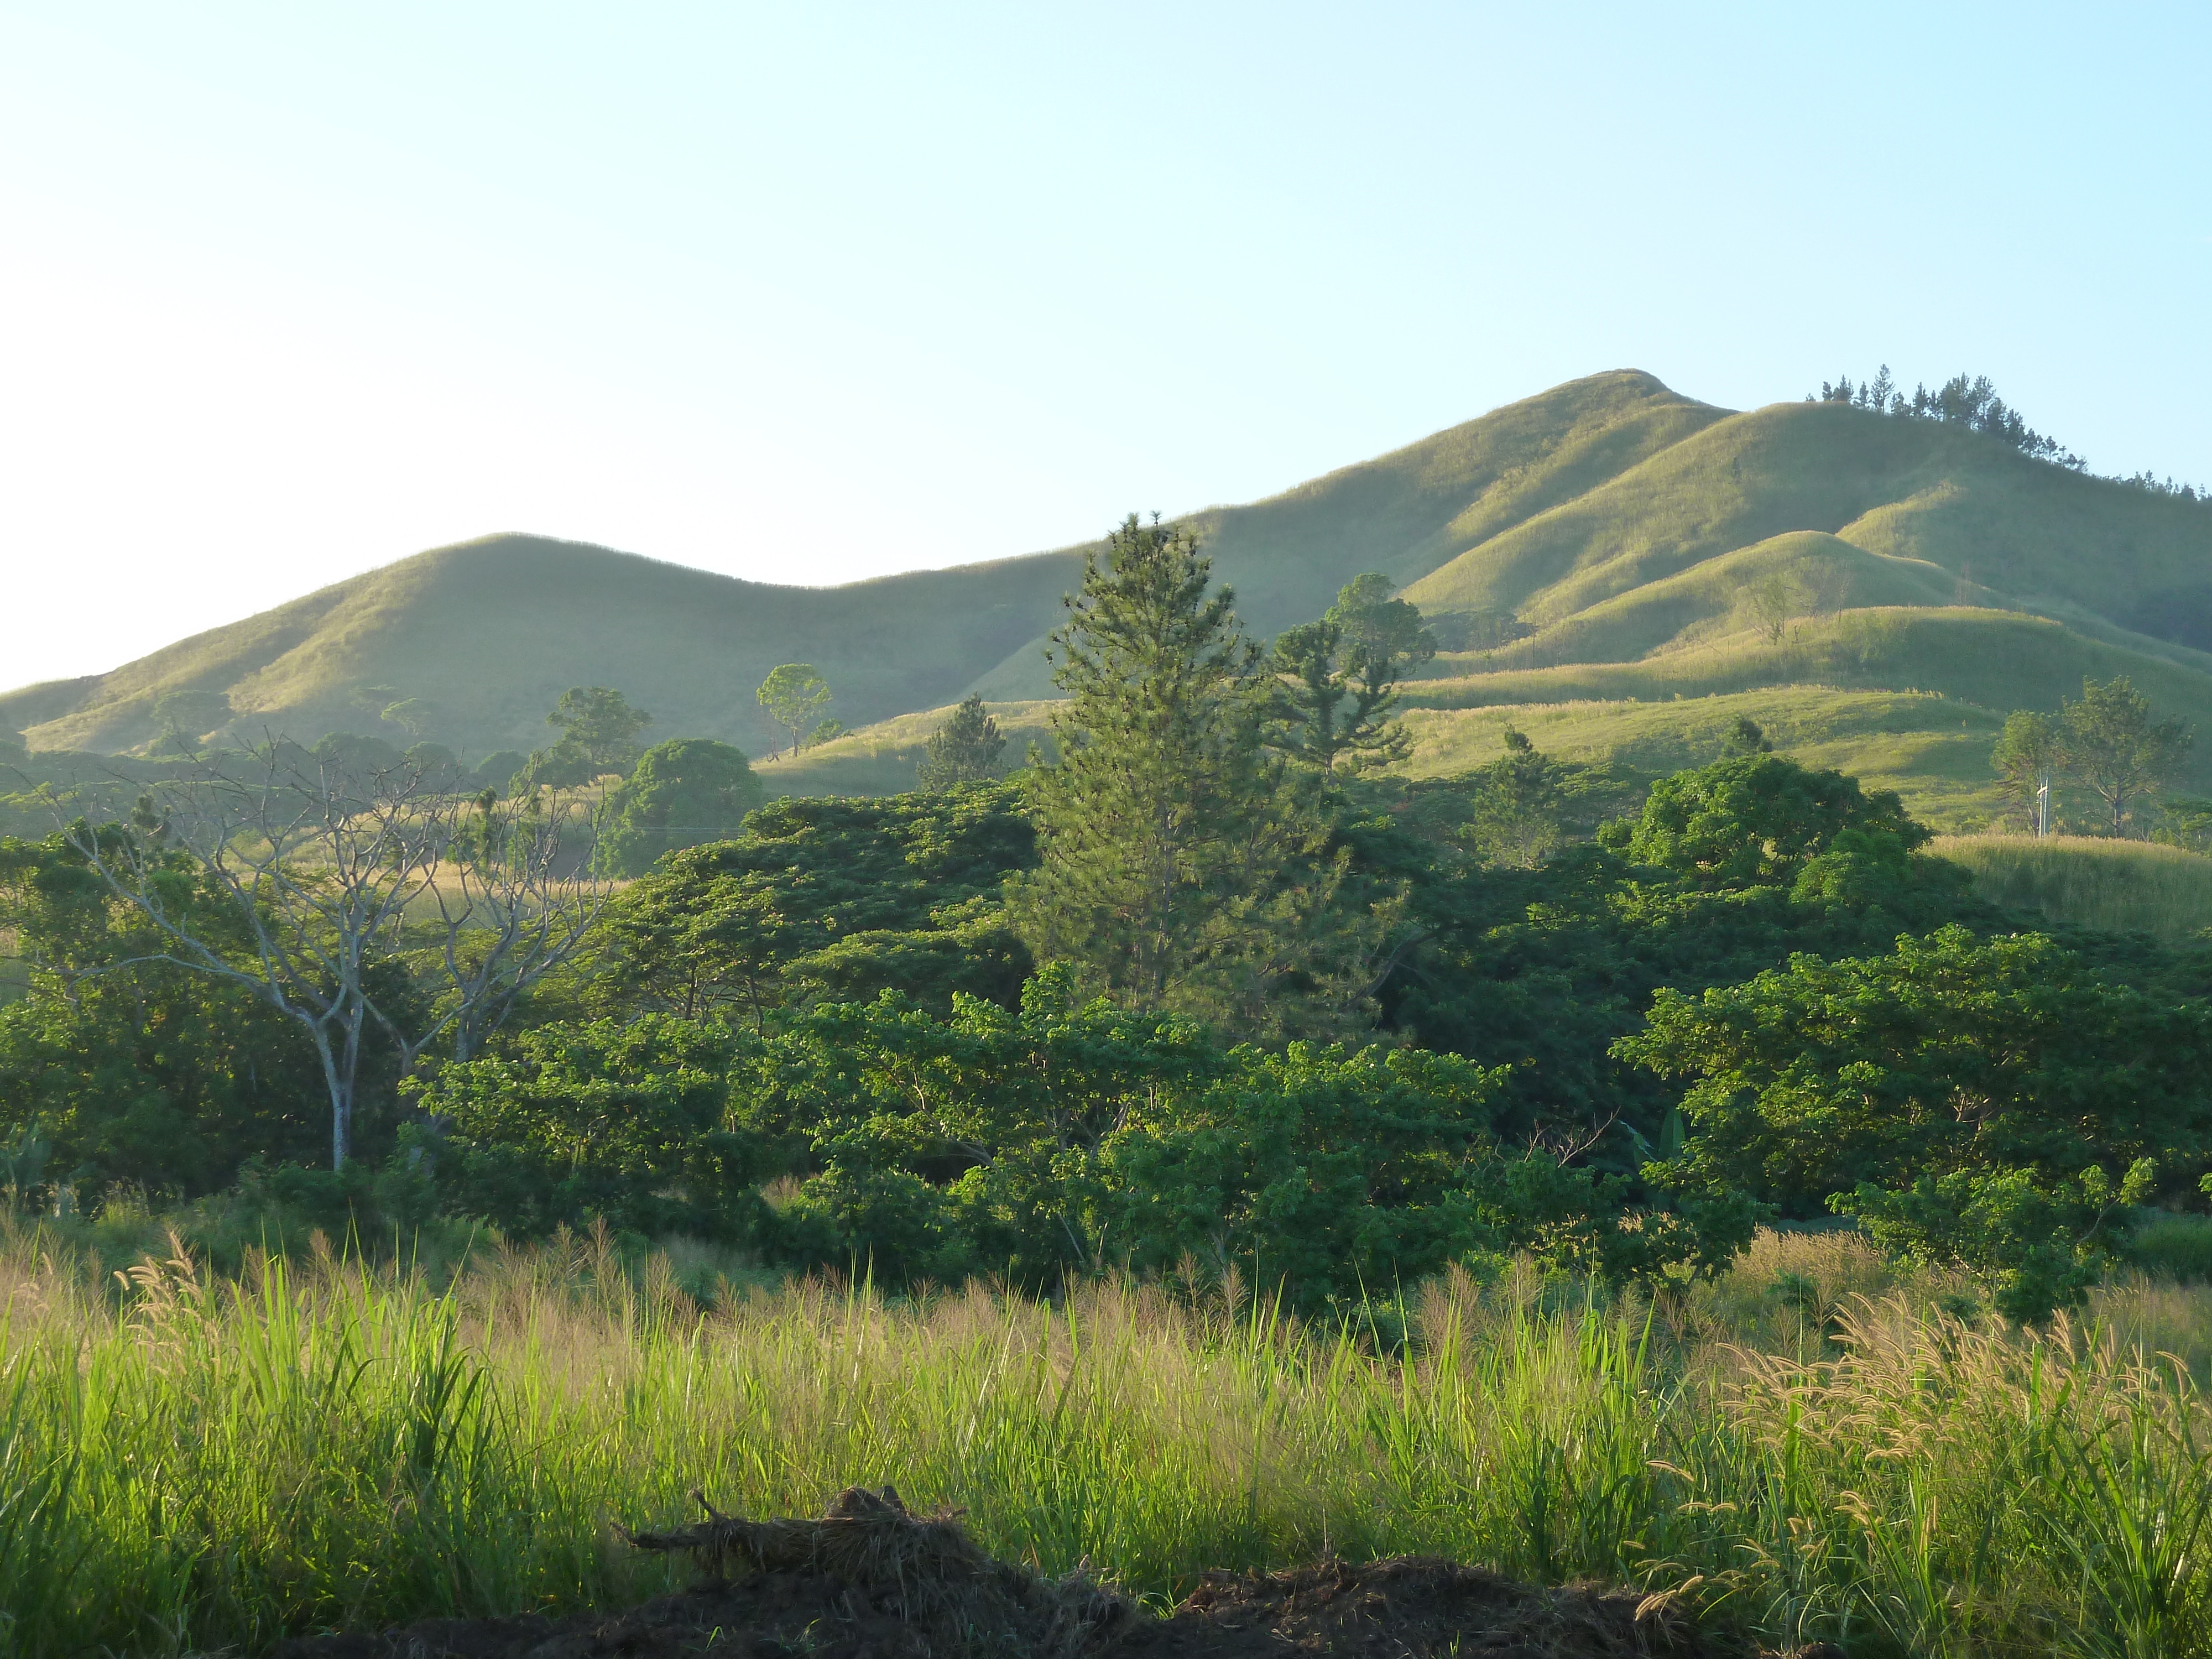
[[1515, 817], [1181, 867], [1337, 679], [967, 749]]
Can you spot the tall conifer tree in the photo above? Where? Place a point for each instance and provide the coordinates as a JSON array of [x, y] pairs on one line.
[[1182, 866]]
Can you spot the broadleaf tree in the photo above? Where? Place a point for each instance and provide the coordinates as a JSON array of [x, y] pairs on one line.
[[2026, 754], [683, 792], [2109, 743], [795, 694], [1994, 1105], [599, 729]]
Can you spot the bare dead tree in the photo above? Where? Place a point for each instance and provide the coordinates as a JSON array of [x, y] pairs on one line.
[[1773, 600], [513, 899], [323, 865]]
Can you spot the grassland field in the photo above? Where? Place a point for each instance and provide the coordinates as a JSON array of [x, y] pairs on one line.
[[1814, 1446]]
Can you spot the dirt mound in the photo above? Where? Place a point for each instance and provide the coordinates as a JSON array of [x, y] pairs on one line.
[[870, 1580], [1421, 1605]]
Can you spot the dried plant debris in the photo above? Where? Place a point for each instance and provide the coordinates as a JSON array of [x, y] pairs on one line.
[[872, 1580]]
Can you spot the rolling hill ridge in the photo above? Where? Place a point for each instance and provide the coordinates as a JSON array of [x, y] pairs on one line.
[[1594, 552]]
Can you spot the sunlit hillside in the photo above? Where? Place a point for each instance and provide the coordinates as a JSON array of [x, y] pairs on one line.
[[1623, 568]]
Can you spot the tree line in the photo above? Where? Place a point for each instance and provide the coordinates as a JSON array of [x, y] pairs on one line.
[[1209, 986], [1973, 402]]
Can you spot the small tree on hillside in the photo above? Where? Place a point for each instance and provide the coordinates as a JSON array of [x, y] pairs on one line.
[[599, 733], [411, 714], [1337, 679], [1746, 737], [2109, 743], [967, 749], [794, 694], [186, 716], [598, 724], [1772, 601]]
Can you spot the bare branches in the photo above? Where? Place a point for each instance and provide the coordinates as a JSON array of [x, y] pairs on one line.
[[512, 905], [318, 870]]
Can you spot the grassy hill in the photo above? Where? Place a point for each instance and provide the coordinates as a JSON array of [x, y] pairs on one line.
[[1931, 578], [2121, 886]]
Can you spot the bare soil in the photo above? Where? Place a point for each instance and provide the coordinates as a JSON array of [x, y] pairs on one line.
[[872, 1581]]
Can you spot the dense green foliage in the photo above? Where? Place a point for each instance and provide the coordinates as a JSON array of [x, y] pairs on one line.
[[142, 1074], [685, 792], [1991, 1104], [628, 1123], [836, 898], [1192, 997], [839, 993], [1039, 1145], [599, 736]]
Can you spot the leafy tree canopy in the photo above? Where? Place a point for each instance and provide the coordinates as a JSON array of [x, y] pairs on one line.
[[131, 1072], [1068, 1136], [631, 1122], [795, 694], [2109, 743], [1945, 1093], [598, 735], [354, 756], [1763, 820], [1544, 968], [2026, 754], [685, 792], [819, 895]]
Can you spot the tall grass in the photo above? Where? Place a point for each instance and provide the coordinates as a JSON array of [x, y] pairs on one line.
[[191, 1463], [2090, 881]]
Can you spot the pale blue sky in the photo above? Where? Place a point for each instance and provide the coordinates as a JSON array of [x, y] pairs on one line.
[[809, 293]]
